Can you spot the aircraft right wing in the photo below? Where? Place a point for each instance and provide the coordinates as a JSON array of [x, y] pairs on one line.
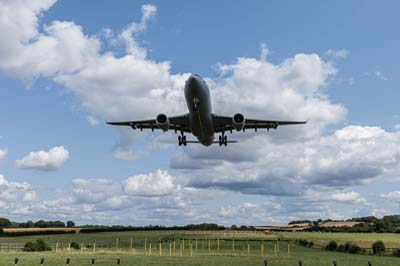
[[177, 123], [226, 123]]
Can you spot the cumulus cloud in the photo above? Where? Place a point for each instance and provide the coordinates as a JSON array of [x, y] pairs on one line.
[[392, 195], [348, 197], [153, 184], [3, 153], [12, 192], [50, 160]]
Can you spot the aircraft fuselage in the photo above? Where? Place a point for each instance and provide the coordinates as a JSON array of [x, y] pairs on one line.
[[198, 101]]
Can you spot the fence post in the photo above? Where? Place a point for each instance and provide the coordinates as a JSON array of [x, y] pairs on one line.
[[288, 248], [233, 245], [180, 247], [174, 243], [170, 249], [218, 246], [94, 247], [183, 244], [196, 245], [191, 248], [56, 247], [160, 245], [262, 248], [69, 247], [150, 248], [248, 248], [116, 243], [209, 246], [275, 249], [145, 245]]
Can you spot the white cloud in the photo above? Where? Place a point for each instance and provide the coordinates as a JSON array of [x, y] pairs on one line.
[[343, 53], [93, 121], [11, 192], [380, 75], [154, 184], [3, 153], [348, 197], [397, 127], [50, 160], [264, 52], [392, 195]]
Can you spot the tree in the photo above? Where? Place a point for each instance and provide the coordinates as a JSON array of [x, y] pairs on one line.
[[70, 224], [4, 223]]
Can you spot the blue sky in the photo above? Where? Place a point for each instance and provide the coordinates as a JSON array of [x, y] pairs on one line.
[[67, 66]]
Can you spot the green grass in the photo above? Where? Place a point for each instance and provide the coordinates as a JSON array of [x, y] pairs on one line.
[[310, 257], [362, 239], [205, 255]]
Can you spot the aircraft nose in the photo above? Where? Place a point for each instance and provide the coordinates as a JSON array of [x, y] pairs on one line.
[[192, 80]]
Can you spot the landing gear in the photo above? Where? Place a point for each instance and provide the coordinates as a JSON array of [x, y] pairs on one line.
[[223, 140], [196, 103], [182, 140]]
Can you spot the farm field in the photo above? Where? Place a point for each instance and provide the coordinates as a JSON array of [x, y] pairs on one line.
[[247, 248], [310, 257], [365, 240]]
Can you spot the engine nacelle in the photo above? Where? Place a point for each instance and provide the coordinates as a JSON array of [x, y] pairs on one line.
[[238, 121], [162, 122]]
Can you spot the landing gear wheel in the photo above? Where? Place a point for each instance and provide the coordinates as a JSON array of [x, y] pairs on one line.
[[180, 140], [220, 140], [225, 140], [184, 141]]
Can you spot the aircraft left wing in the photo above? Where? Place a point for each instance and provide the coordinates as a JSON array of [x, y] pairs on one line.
[[178, 123], [225, 123]]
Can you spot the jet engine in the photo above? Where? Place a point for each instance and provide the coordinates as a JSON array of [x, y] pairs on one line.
[[238, 121], [162, 122]]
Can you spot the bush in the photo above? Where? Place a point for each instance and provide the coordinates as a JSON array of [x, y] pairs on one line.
[[310, 244], [397, 231], [347, 246], [75, 245], [332, 245], [340, 248], [39, 245], [396, 252], [378, 247], [354, 248]]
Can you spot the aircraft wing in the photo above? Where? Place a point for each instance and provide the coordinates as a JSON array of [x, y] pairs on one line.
[[225, 123], [180, 122]]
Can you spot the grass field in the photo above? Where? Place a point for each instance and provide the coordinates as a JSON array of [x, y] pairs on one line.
[[243, 253], [362, 239]]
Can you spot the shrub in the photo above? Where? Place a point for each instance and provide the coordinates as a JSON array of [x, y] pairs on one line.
[[354, 248], [39, 245], [332, 245], [378, 247], [396, 252], [75, 245], [310, 244], [397, 231], [340, 248], [347, 246]]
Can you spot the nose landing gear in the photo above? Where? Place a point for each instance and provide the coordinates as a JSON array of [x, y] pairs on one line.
[[196, 103]]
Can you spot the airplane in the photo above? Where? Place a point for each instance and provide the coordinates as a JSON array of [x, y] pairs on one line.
[[201, 121]]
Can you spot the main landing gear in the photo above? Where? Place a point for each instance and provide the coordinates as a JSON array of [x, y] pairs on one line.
[[223, 140], [182, 140]]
